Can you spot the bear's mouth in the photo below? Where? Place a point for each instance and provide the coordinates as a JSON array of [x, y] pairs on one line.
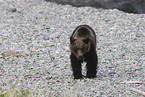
[[80, 57]]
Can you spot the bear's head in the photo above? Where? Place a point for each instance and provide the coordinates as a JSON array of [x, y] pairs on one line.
[[79, 47]]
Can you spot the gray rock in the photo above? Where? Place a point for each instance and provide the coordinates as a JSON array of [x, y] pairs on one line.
[[1, 41], [139, 34], [12, 9], [46, 37]]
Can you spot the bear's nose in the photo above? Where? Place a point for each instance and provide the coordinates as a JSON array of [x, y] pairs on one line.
[[80, 57]]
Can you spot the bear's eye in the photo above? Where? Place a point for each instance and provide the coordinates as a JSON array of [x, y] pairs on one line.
[[75, 50], [86, 40]]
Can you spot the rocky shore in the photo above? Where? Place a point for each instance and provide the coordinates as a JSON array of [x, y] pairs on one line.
[[34, 50]]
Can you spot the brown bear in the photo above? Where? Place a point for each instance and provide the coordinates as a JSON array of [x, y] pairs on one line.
[[83, 48]]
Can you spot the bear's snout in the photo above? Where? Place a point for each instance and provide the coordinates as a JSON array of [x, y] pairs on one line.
[[80, 55]]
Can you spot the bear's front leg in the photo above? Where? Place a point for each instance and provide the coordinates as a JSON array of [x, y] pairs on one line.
[[92, 62], [76, 67]]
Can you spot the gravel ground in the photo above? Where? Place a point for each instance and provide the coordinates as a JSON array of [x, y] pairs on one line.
[[34, 49]]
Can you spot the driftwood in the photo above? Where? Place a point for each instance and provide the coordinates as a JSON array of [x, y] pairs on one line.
[[133, 82], [12, 54], [138, 91], [32, 76], [133, 89]]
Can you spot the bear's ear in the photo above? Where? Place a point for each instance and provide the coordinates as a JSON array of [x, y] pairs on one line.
[[72, 40], [86, 40]]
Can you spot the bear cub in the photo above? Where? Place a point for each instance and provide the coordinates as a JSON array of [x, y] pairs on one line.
[[83, 48]]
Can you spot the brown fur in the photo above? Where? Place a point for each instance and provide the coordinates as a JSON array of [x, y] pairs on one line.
[[83, 48]]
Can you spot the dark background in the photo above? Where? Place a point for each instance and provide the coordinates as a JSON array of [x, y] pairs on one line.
[[130, 6]]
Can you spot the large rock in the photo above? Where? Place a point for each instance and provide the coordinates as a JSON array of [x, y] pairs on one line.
[[130, 6]]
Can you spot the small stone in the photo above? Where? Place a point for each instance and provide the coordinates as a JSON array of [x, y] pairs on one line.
[[12, 9], [107, 20], [122, 55], [111, 73], [48, 44], [40, 12], [31, 67], [46, 37], [139, 34], [1, 41], [66, 48], [1, 56], [33, 49]]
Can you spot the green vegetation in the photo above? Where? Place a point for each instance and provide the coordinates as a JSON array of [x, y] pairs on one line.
[[16, 93]]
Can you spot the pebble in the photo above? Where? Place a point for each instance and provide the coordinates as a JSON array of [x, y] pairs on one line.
[[46, 37], [67, 48], [33, 49], [139, 34], [1, 41], [12, 9]]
